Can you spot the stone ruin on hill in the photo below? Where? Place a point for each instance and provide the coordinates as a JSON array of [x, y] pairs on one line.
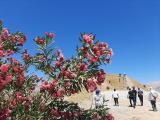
[[121, 82]]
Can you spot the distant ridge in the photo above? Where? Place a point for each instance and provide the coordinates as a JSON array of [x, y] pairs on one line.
[[155, 85]]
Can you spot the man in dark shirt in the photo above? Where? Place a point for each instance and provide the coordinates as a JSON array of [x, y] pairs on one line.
[[134, 92], [140, 96], [130, 96]]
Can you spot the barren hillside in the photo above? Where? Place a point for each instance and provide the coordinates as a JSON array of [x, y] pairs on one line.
[[121, 82]]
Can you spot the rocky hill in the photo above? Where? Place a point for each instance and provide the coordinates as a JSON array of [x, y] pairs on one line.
[[121, 82]]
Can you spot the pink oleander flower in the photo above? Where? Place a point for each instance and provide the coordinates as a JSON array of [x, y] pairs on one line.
[[59, 52], [56, 113], [83, 67], [60, 93], [1, 46], [77, 113], [23, 40], [45, 85], [8, 78], [10, 52], [110, 51], [87, 55], [67, 73], [26, 56], [98, 53], [61, 57], [68, 115], [5, 113], [94, 59], [39, 41], [68, 84], [96, 116], [5, 31], [85, 49], [54, 84], [4, 67], [27, 105], [101, 77], [20, 97], [109, 117], [74, 91], [20, 80], [91, 85], [68, 91], [73, 75], [51, 35], [13, 103], [95, 48], [2, 53], [58, 64], [90, 41], [88, 38]]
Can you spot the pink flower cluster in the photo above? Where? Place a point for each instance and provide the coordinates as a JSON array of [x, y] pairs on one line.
[[88, 38], [67, 115], [26, 56], [91, 84], [5, 77], [50, 35], [5, 113], [101, 75], [96, 116], [41, 40], [60, 60], [53, 88], [7, 71], [12, 40], [95, 52]]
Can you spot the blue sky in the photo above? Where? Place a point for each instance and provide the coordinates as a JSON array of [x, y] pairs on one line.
[[131, 27]]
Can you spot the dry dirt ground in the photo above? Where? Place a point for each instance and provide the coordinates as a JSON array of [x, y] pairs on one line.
[[122, 112]]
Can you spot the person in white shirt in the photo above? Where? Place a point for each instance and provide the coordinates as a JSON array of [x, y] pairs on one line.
[[98, 99], [152, 96], [115, 96]]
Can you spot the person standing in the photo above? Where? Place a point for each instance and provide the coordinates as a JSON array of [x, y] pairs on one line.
[[152, 97], [98, 99], [134, 92], [115, 96], [130, 96], [140, 96]]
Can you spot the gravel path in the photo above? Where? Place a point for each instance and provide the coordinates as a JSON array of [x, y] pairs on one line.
[[123, 112]]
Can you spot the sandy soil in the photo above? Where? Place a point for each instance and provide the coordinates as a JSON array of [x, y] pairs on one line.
[[123, 112]]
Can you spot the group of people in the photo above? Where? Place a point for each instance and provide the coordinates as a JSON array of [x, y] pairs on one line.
[[132, 95], [99, 98]]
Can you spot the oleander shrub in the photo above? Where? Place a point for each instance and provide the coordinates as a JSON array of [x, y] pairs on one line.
[[20, 98]]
